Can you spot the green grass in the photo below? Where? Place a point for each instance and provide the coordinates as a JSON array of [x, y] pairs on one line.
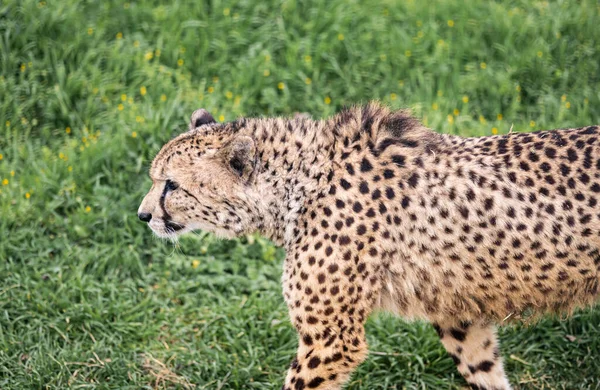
[[89, 299]]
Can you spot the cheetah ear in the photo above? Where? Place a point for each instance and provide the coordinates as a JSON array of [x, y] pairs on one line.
[[201, 117], [239, 155]]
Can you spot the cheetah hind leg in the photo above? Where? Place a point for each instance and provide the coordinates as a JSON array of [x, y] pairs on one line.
[[474, 349]]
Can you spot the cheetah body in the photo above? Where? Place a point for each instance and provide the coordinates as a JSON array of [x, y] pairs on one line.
[[376, 211]]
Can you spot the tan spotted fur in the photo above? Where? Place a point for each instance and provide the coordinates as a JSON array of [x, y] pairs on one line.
[[377, 212]]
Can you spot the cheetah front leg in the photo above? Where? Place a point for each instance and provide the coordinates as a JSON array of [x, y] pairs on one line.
[[325, 358], [474, 349], [329, 303]]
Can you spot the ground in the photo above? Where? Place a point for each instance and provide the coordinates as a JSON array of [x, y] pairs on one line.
[[88, 93]]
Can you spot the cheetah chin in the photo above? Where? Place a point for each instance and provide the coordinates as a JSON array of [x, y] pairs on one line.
[[377, 212]]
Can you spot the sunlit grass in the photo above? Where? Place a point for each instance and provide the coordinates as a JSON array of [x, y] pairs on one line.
[[89, 91]]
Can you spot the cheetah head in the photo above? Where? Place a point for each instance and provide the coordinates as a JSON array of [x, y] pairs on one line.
[[204, 179]]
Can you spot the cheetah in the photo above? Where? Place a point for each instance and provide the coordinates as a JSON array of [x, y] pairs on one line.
[[377, 212]]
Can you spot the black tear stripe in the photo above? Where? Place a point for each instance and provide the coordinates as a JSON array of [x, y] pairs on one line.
[[170, 227]]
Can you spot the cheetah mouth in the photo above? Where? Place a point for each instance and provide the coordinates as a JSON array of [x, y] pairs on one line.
[[166, 228], [173, 227]]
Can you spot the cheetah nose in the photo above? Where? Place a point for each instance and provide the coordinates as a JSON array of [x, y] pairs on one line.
[[146, 217]]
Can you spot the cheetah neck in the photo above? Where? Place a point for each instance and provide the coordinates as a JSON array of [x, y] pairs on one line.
[[294, 160]]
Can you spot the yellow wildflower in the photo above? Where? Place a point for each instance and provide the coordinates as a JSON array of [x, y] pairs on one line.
[[308, 81], [531, 123], [393, 96], [568, 105], [518, 88], [499, 117], [482, 119], [340, 37], [5, 182], [327, 100], [163, 98], [7, 123], [211, 89], [267, 58], [280, 85], [157, 53], [221, 118], [134, 135], [143, 91], [450, 119], [228, 95], [180, 62], [483, 65], [195, 263], [266, 73], [1, 156], [540, 54], [88, 209], [149, 55], [450, 23], [120, 107], [307, 58], [12, 173], [123, 97], [494, 130], [226, 11], [70, 169], [215, 79], [435, 106], [465, 99], [90, 31], [139, 119], [119, 35], [456, 112], [440, 93], [23, 67], [408, 53], [27, 195], [136, 43]]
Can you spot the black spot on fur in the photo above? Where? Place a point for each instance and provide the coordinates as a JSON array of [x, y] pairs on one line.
[[316, 382], [365, 165]]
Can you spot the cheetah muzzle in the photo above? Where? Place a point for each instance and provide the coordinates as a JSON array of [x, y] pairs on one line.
[[376, 211]]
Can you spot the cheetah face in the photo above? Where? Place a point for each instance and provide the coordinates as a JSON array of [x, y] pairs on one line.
[[203, 179]]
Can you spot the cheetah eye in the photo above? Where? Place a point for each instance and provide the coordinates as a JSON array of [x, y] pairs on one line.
[[171, 185]]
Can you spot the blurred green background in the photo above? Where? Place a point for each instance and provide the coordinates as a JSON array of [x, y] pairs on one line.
[[90, 90]]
